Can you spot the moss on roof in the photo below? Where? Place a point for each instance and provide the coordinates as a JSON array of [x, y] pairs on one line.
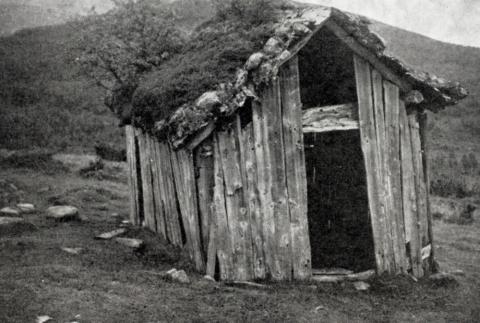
[[234, 59], [213, 56]]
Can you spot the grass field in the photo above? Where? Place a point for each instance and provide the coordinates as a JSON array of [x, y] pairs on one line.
[[107, 282]]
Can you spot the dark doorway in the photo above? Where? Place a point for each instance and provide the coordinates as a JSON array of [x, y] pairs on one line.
[[340, 230]]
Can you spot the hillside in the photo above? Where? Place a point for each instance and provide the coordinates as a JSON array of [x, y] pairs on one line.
[[457, 124], [20, 14], [48, 102]]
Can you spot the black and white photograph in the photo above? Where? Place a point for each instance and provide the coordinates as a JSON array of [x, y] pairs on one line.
[[239, 161]]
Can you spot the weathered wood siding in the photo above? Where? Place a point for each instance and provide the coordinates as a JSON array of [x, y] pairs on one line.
[[397, 186], [185, 185], [168, 194], [260, 206], [295, 169], [205, 183], [133, 183], [237, 197]]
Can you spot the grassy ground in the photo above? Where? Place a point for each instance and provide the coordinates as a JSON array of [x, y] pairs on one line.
[[109, 283]]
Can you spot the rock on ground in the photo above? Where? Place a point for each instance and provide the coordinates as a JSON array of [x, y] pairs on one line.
[[111, 234], [26, 207], [209, 278], [63, 213], [179, 276], [361, 286], [9, 211], [73, 251], [43, 319], [131, 243]]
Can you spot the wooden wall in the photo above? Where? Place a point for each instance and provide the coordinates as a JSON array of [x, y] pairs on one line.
[[396, 175], [260, 189], [167, 199], [237, 200]]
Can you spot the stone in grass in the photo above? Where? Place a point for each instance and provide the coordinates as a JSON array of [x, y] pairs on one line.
[[209, 278], [26, 207], [458, 272], [43, 319], [111, 234], [125, 224], [73, 251], [179, 276], [4, 220], [9, 211], [135, 244], [63, 213], [362, 286]]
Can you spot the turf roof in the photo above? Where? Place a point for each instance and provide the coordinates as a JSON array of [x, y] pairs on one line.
[[212, 56], [165, 100]]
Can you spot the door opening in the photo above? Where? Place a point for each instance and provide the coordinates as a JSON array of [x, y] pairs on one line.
[[339, 225]]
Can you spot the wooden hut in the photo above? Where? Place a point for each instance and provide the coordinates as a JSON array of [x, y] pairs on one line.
[[313, 156]]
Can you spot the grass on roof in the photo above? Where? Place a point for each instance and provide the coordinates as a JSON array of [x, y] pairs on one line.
[[212, 56]]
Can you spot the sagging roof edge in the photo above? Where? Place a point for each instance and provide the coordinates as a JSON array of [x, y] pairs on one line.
[[292, 34]]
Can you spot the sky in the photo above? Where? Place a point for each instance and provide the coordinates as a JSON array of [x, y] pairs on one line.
[[453, 21]]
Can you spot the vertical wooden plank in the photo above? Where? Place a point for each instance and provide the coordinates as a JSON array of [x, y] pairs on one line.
[[157, 188], [236, 207], [369, 147], [212, 244], [168, 195], [148, 203], [184, 177], [222, 236], [255, 211], [409, 196], [392, 114], [205, 183], [245, 219], [264, 183], [426, 171], [150, 161], [420, 185], [295, 169], [132, 175], [381, 155], [271, 104]]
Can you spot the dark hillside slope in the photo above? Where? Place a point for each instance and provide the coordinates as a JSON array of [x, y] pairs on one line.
[[456, 127], [46, 101]]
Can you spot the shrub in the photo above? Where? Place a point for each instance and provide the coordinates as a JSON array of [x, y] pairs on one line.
[[111, 153], [94, 169], [447, 187], [252, 12]]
